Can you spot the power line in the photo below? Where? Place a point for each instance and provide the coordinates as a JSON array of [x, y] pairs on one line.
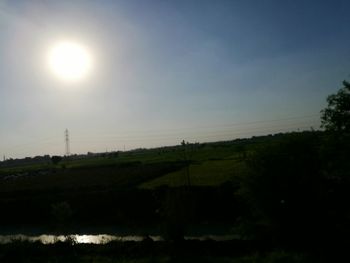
[[156, 132], [228, 130]]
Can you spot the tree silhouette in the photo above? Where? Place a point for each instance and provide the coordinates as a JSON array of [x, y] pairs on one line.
[[335, 152], [336, 117]]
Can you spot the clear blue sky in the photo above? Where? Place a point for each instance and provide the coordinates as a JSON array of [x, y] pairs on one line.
[[166, 70]]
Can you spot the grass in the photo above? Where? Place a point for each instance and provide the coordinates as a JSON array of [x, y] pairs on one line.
[[207, 173], [102, 177], [128, 169], [212, 164], [24, 168]]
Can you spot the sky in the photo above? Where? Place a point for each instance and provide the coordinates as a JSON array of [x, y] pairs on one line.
[[164, 71]]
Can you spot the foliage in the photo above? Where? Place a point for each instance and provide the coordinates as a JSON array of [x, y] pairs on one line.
[[283, 185], [335, 153], [336, 117]]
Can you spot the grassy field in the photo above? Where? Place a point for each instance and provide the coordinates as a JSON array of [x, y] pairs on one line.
[[100, 177], [211, 165], [110, 173], [108, 189], [207, 173]]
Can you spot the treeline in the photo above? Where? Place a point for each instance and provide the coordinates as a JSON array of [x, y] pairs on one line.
[[38, 160]]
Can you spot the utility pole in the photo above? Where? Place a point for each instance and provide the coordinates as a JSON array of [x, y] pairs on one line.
[[66, 137], [187, 158]]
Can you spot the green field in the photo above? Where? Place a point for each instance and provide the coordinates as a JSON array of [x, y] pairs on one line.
[[207, 173], [98, 177], [115, 189], [211, 164]]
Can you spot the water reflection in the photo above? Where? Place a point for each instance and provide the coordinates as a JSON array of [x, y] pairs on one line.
[[88, 239], [99, 239]]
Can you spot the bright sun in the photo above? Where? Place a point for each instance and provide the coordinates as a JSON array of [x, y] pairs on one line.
[[69, 61]]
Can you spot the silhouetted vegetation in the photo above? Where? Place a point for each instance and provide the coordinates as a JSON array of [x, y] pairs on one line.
[[336, 117], [149, 251]]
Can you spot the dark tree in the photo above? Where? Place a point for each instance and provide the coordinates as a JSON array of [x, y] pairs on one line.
[[335, 154], [336, 117], [282, 185], [336, 146]]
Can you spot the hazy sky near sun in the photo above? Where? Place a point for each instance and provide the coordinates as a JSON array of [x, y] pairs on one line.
[[164, 71]]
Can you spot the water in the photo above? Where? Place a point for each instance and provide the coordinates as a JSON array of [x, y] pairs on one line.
[[100, 239]]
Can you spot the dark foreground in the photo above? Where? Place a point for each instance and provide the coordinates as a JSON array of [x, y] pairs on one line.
[[186, 251]]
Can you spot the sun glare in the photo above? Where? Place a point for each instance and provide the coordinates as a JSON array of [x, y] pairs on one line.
[[69, 61]]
